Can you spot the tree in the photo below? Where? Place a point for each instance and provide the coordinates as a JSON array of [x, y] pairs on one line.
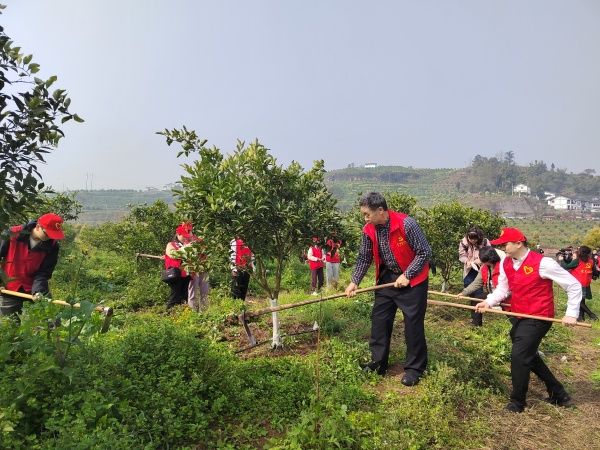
[[29, 117], [59, 203], [592, 238], [445, 225], [274, 209]]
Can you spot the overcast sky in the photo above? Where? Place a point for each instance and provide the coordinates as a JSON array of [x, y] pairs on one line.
[[413, 83]]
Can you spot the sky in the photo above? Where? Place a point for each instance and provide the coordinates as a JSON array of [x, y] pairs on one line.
[[414, 83]]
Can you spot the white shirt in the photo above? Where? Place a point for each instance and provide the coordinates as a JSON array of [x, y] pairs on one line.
[[549, 269]]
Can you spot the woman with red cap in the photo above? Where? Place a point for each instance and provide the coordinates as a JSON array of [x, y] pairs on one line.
[[179, 285], [30, 255], [528, 276], [316, 262]]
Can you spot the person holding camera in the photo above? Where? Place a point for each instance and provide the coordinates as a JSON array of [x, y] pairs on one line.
[[582, 268]]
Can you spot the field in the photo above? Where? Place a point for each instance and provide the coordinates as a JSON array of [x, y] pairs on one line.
[[554, 233], [183, 379]]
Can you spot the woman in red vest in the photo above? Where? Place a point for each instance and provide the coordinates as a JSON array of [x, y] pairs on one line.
[[400, 251], [332, 261], [582, 268], [316, 262], [30, 256], [468, 254], [179, 286], [528, 276], [241, 265]]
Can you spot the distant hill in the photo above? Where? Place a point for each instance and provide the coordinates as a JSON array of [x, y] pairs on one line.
[[486, 183], [113, 204]]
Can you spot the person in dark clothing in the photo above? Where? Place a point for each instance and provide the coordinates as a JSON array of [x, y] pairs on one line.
[[29, 254], [395, 242], [582, 268]]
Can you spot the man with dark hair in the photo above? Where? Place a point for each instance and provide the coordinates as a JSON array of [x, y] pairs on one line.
[[30, 254], [529, 276], [395, 242]]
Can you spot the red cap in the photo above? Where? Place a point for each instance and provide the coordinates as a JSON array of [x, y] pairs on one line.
[[509, 235], [184, 229], [52, 225]]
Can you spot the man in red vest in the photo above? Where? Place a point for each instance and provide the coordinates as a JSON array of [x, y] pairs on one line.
[[30, 255], [395, 242], [528, 276], [241, 266]]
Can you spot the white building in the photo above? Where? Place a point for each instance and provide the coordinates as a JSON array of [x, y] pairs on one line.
[[370, 165], [522, 189], [567, 203]]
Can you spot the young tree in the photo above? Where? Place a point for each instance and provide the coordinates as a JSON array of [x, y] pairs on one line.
[[446, 224], [29, 126], [592, 238], [274, 209]]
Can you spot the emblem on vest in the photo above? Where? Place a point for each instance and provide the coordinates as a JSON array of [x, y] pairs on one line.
[[528, 270], [401, 241]]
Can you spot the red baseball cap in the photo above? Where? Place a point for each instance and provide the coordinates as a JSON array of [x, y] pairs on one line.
[[184, 229], [52, 225], [509, 235]]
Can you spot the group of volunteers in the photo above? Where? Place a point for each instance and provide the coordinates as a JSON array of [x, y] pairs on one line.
[[329, 258], [193, 288], [497, 271]]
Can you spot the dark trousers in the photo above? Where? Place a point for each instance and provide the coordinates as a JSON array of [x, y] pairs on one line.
[[413, 303], [476, 318], [239, 285], [316, 279], [179, 291], [10, 305], [526, 335]]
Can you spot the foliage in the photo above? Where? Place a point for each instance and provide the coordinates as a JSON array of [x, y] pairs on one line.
[[592, 238], [29, 126], [63, 204], [446, 224], [274, 209]]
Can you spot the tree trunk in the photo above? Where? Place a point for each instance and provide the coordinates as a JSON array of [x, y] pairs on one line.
[[276, 342]]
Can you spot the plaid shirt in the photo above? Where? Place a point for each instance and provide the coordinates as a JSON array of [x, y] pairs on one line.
[[415, 238]]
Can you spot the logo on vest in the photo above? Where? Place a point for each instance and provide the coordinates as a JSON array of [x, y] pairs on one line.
[[401, 241], [528, 270]]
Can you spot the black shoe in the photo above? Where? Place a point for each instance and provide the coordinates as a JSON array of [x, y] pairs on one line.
[[515, 407], [562, 399], [374, 366], [410, 378]]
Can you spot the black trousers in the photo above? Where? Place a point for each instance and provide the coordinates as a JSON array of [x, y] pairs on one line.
[[413, 303], [239, 285], [476, 318], [316, 279], [526, 336], [179, 291]]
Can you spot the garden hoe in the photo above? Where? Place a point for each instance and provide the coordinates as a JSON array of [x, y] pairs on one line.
[[244, 316], [105, 310]]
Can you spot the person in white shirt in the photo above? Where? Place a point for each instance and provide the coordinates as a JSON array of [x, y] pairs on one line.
[[528, 276]]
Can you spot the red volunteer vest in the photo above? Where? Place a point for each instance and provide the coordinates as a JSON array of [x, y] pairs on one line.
[[583, 272], [243, 254], [317, 253], [485, 275], [172, 262], [21, 263], [530, 293], [336, 257], [402, 251]]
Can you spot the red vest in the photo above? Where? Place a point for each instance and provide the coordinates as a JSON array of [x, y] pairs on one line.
[[583, 272], [485, 275], [402, 251], [530, 293], [172, 262], [317, 253], [335, 246], [21, 263], [243, 254]]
